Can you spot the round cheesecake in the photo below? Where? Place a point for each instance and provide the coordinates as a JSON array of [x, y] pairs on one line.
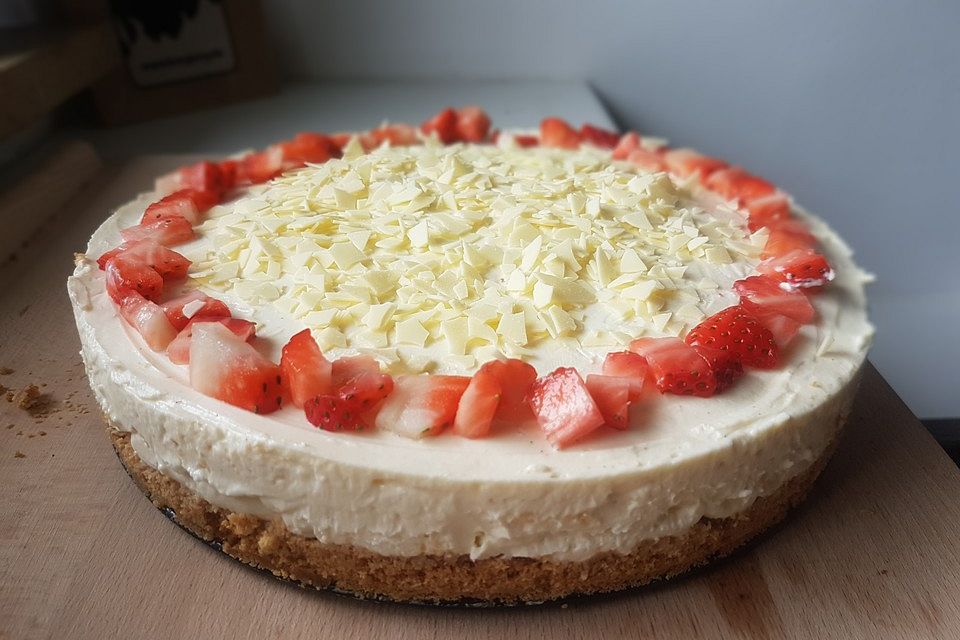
[[435, 259]]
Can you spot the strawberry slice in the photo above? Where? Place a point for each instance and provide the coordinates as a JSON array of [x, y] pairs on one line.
[[202, 176], [647, 160], [398, 135], [515, 378], [125, 277], [733, 183], [193, 306], [687, 162], [308, 147], [260, 167], [630, 367], [165, 231], [799, 269], [676, 366], [628, 143], [612, 396], [473, 124], [167, 262], [787, 236], [478, 405], [306, 373], [726, 366], [185, 203], [333, 413], [225, 367], [783, 328], [526, 141], [179, 350], [556, 132], [740, 333], [599, 137], [367, 389], [148, 319], [349, 367], [444, 124], [228, 171], [767, 210], [563, 407], [421, 405], [763, 297]]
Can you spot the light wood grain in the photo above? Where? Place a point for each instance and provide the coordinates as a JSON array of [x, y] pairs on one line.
[[83, 554]]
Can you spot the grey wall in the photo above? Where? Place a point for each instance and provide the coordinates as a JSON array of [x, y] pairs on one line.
[[851, 106]]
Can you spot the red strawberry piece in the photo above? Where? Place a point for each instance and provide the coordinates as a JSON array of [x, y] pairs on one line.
[[308, 147], [599, 137], [262, 166], [556, 132], [726, 365], [612, 396], [124, 277], [767, 210], [341, 138], [739, 332], [228, 171], [687, 162], [630, 367], [783, 328], [333, 413], [167, 262], [306, 373], [105, 258], [628, 143], [148, 319], [421, 405], [473, 124], [526, 141], [193, 306], [478, 405], [225, 367], [349, 367], [787, 236], [648, 160], [367, 389], [185, 203], [444, 124], [563, 406], [202, 176], [515, 378], [165, 231], [676, 367], [763, 297], [179, 350], [733, 183], [799, 269]]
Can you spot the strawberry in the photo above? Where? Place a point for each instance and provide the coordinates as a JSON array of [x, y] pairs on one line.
[[228, 171], [630, 367], [783, 328], [367, 389], [556, 132], [167, 262], [444, 124], [397, 135], [125, 277], [202, 176], [306, 373], [333, 413], [767, 210], [629, 142], [225, 367], [526, 141], [740, 333], [473, 124], [515, 378], [647, 160], [349, 367], [763, 297], [612, 397], [185, 203], [165, 231], [193, 306], [563, 407], [179, 350], [260, 167], [787, 236], [799, 269], [676, 367], [421, 405], [598, 137], [726, 366], [148, 319], [733, 183], [478, 404], [687, 162], [308, 147]]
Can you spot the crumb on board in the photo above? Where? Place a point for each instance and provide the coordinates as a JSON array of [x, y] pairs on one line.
[[28, 398], [19, 454]]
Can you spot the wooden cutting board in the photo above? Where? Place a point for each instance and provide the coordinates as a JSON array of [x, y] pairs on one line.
[[872, 554]]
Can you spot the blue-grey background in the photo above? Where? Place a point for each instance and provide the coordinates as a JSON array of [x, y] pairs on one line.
[[851, 106]]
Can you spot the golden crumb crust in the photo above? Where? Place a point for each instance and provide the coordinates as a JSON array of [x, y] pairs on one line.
[[452, 579]]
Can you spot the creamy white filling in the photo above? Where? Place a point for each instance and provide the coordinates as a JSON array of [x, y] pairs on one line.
[[510, 495]]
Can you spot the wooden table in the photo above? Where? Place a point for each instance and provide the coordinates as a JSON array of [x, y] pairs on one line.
[[83, 554]]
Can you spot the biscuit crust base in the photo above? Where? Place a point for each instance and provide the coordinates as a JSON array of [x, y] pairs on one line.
[[450, 579]]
